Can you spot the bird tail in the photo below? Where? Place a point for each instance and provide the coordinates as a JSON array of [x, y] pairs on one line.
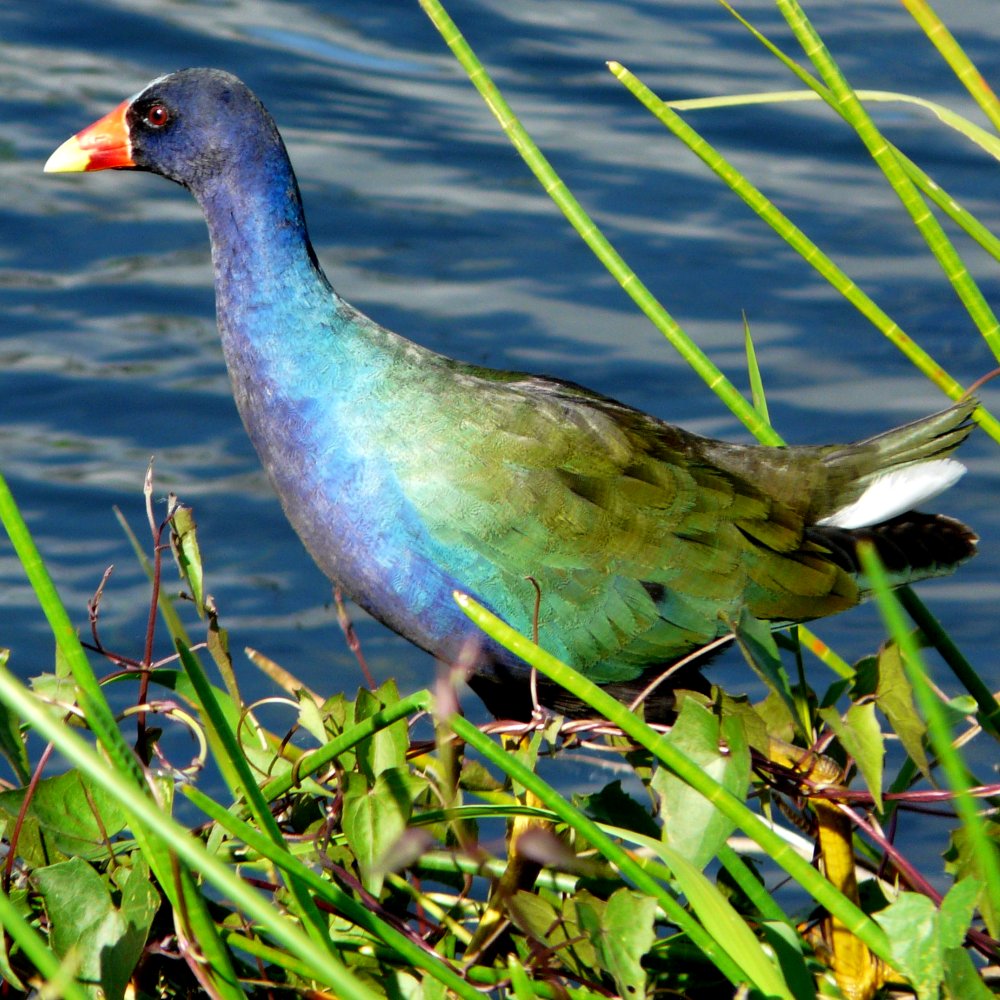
[[874, 480], [878, 482], [912, 546]]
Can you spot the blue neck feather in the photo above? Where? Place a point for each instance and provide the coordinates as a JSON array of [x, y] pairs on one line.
[[309, 377]]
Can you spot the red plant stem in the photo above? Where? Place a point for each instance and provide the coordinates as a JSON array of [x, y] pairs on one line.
[[36, 776], [353, 643], [983, 943], [147, 656]]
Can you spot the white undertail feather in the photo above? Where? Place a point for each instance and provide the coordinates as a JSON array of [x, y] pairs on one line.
[[896, 492]]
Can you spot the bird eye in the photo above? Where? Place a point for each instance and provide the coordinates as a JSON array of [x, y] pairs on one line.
[[157, 116]]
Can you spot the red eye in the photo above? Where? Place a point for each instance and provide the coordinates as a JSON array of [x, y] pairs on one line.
[[157, 116]]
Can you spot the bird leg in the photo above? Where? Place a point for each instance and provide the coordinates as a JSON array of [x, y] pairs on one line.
[[858, 972]]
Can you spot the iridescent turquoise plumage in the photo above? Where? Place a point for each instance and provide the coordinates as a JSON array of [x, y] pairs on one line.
[[408, 474]]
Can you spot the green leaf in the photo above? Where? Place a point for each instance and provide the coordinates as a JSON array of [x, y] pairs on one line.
[[64, 669], [962, 980], [787, 947], [965, 864], [18, 900], [217, 642], [861, 736], [561, 932], [520, 981], [956, 911], [622, 933], [375, 818], [717, 915], [533, 915], [139, 903], [757, 728], [475, 777], [757, 644], [85, 923], [778, 720], [11, 742], [73, 810], [58, 688], [913, 926], [386, 748], [613, 806], [311, 716], [524, 750], [753, 369], [959, 708], [894, 696], [605, 704], [403, 985], [692, 825], [975, 133]]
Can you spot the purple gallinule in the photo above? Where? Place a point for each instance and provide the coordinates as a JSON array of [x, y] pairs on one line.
[[408, 475]]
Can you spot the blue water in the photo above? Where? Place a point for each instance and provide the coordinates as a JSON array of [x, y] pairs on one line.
[[427, 219]]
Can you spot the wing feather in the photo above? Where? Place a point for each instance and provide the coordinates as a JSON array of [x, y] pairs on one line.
[[643, 543]]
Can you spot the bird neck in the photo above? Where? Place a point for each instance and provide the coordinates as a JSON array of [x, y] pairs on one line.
[[267, 278], [298, 356]]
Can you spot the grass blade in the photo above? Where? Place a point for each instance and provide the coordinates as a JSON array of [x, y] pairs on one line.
[[591, 235], [857, 116], [799, 242], [984, 849], [962, 66]]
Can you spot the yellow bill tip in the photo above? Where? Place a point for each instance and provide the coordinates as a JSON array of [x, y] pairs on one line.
[[69, 158]]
